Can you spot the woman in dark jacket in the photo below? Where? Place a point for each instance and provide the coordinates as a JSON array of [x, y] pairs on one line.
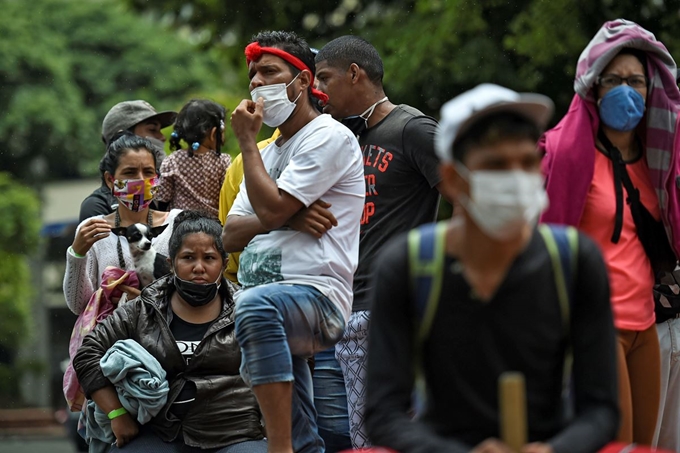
[[185, 320]]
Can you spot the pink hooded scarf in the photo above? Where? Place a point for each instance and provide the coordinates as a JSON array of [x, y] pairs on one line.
[[569, 148]]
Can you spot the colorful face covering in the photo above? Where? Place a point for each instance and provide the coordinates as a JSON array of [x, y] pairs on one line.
[[135, 194]]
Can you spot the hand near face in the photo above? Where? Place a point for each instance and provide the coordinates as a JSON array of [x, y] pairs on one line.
[[92, 231], [315, 220], [246, 120]]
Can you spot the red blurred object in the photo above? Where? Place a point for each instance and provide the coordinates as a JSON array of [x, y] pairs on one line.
[[618, 447], [614, 447]]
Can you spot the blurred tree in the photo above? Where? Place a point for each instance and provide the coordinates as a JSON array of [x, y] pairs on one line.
[[434, 49], [63, 64], [19, 235]]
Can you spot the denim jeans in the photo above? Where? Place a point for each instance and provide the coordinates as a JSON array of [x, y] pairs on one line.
[[330, 400], [278, 327]]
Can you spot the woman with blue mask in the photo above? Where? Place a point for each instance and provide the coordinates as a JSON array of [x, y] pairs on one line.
[[611, 165]]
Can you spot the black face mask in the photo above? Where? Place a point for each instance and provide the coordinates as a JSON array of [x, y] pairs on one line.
[[196, 294], [356, 124], [359, 123]]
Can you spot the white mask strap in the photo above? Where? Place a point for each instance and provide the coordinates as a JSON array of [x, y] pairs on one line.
[[371, 109], [291, 82]]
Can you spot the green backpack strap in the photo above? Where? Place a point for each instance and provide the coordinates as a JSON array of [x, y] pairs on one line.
[[426, 250], [562, 245], [426, 246]]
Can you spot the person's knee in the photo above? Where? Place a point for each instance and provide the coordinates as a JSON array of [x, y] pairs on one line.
[[257, 302], [255, 313]]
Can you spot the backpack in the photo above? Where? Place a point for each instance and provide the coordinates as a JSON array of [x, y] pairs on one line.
[[426, 256]]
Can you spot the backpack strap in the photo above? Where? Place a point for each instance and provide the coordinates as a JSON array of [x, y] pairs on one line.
[[426, 268], [426, 246], [562, 245]]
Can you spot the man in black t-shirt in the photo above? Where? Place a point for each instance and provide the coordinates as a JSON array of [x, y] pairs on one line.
[[402, 177], [497, 304]]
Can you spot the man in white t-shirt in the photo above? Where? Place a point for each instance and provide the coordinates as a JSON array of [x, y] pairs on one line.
[[299, 255]]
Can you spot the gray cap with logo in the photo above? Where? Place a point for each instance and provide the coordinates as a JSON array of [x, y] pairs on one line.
[[125, 115]]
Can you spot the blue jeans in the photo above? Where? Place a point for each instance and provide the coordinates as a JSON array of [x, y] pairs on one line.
[[278, 327], [330, 400]]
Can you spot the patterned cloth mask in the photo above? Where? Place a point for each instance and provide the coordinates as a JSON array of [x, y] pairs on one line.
[[135, 194]]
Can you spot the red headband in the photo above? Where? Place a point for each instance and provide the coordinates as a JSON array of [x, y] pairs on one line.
[[254, 51]]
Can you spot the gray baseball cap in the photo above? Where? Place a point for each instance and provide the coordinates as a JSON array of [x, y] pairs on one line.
[[125, 115], [461, 112]]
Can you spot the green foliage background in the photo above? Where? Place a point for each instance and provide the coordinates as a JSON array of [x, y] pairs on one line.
[[64, 63], [434, 49], [19, 237]]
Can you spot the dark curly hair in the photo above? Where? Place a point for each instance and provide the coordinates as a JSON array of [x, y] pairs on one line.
[[194, 123], [345, 50], [294, 45], [190, 222], [120, 144], [492, 129]]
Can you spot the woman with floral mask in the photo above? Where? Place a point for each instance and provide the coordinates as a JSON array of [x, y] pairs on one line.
[[129, 170], [185, 320], [611, 167]]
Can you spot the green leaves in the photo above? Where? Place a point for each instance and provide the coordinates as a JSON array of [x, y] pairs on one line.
[[19, 236], [67, 63], [15, 300], [20, 226]]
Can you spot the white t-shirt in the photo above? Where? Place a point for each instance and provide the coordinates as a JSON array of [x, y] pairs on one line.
[[321, 161]]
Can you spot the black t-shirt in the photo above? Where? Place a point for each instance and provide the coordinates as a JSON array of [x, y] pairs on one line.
[[100, 202], [471, 343], [188, 336], [401, 171]]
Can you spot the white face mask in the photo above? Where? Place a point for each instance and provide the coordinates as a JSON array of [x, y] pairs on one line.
[[502, 203], [277, 106]]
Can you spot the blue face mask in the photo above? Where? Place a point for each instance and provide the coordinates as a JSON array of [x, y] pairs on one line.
[[622, 108]]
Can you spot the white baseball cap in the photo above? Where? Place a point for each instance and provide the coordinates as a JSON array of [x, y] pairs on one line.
[[461, 112]]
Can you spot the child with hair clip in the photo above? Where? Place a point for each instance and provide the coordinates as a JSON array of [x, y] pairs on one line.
[[191, 177]]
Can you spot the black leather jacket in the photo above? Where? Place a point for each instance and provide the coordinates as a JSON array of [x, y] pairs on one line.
[[225, 410]]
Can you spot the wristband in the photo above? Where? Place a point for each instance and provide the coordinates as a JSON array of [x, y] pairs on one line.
[[73, 252], [117, 413]]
